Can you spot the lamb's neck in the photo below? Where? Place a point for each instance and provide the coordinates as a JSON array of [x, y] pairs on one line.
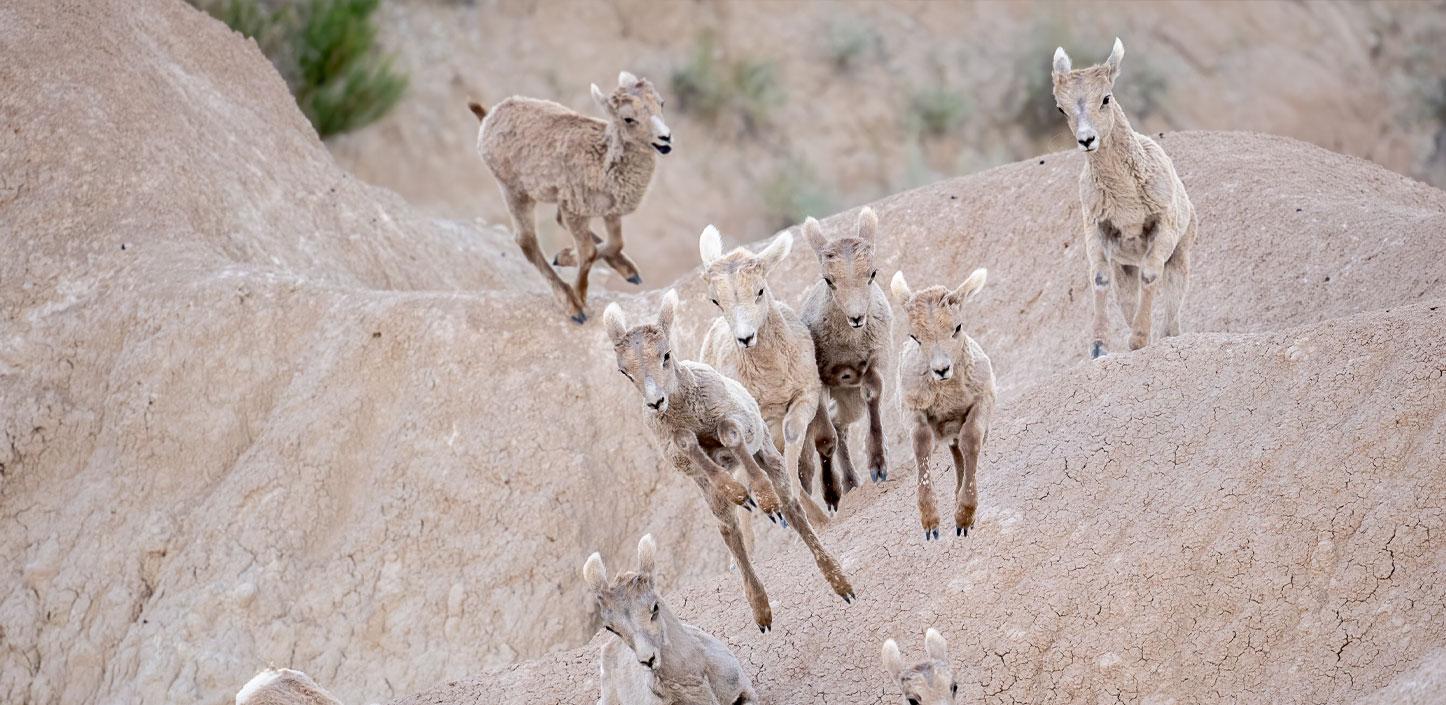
[[627, 160], [1115, 164], [772, 337], [682, 654]]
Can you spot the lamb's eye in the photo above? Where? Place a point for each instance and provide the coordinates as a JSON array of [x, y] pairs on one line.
[[829, 282], [954, 689], [614, 631], [625, 373], [667, 356], [760, 293], [1105, 102], [1061, 110], [630, 121], [873, 274], [916, 340], [913, 701], [715, 303], [957, 329], [655, 610]]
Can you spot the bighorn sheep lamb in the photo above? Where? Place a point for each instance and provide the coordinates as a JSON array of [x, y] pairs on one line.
[[283, 686], [653, 657], [928, 682], [760, 342], [947, 387], [701, 419], [542, 152], [852, 328], [1139, 223]]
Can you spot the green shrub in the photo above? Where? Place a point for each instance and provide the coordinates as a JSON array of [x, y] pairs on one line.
[[935, 111], [847, 42], [793, 192], [327, 52], [708, 86]]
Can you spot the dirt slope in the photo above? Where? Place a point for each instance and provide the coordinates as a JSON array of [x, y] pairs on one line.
[[1222, 518], [259, 411]]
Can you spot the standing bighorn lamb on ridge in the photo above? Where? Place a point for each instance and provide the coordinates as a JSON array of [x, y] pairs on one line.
[[928, 682], [1139, 224], [852, 327], [283, 686], [654, 658], [701, 419], [542, 152], [947, 387], [760, 341]]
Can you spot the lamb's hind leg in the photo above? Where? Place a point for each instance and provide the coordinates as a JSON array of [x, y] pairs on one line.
[[524, 227], [733, 539], [878, 464], [823, 439], [850, 406], [582, 238], [610, 251], [1177, 282], [794, 424], [772, 463], [1127, 289]]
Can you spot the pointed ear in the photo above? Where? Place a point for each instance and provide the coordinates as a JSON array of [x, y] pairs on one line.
[[616, 324], [777, 250], [1116, 55], [601, 99], [594, 573], [647, 555], [935, 646], [970, 287], [668, 309], [626, 80], [900, 288], [813, 233], [710, 245], [868, 225], [893, 660], [1061, 61]]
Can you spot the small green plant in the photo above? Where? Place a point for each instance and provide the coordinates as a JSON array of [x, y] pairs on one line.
[[708, 86], [935, 111], [327, 52], [847, 42], [793, 192]]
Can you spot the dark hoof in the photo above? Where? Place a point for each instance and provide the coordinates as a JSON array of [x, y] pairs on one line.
[[554, 261], [749, 504], [1097, 349], [931, 534], [763, 629], [579, 318], [782, 521], [878, 474], [635, 279], [961, 531], [832, 506], [849, 599]]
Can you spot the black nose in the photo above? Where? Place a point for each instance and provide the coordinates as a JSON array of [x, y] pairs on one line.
[[745, 342], [657, 404], [856, 321], [944, 372], [666, 138], [651, 663], [1087, 141]]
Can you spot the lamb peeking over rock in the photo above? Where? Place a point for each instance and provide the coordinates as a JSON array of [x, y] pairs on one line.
[[947, 387], [1139, 223], [852, 326], [703, 421], [928, 682], [542, 152], [283, 686], [654, 658]]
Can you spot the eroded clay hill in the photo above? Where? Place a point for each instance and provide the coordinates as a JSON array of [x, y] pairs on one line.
[[257, 411]]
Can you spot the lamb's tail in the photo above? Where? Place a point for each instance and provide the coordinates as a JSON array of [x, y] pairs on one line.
[[477, 110]]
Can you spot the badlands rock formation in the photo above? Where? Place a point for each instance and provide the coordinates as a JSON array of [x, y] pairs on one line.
[[257, 411]]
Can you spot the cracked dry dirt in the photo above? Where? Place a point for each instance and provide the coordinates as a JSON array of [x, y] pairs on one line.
[[258, 411]]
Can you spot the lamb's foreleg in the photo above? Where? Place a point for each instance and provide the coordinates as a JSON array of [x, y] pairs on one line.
[[524, 228], [874, 385], [611, 251], [1152, 270], [795, 426], [730, 435], [969, 443], [773, 464], [718, 479], [923, 437], [822, 439], [1100, 281]]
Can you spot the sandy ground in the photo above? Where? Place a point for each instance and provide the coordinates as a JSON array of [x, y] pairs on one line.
[[259, 411]]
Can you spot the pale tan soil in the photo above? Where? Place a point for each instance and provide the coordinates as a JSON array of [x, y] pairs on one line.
[[1352, 77], [257, 411]]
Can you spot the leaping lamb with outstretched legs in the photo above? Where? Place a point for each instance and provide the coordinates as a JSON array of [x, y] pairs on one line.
[[542, 152], [852, 326], [947, 388], [703, 421], [1139, 223], [283, 686], [654, 658], [927, 682]]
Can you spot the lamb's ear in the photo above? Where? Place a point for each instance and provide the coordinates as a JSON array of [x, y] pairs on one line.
[[1061, 61], [601, 99], [626, 80], [900, 288], [667, 310], [935, 646], [813, 232], [777, 251], [594, 573], [616, 324], [1116, 55], [970, 287], [647, 555], [710, 245], [893, 660], [868, 225]]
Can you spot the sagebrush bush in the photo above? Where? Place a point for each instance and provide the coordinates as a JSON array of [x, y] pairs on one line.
[[794, 192], [935, 111], [327, 52], [848, 41], [708, 86]]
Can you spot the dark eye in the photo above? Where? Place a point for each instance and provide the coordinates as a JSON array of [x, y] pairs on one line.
[[829, 282], [913, 701], [630, 121], [873, 274], [655, 610], [1061, 110], [1105, 102], [954, 689], [911, 337], [760, 293], [666, 356], [715, 303], [625, 373], [614, 631], [958, 328]]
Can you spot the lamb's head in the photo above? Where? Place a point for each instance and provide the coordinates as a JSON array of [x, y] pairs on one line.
[[629, 606], [636, 111], [928, 682], [1085, 96], [738, 282], [848, 265], [645, 352], [935, 320]]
